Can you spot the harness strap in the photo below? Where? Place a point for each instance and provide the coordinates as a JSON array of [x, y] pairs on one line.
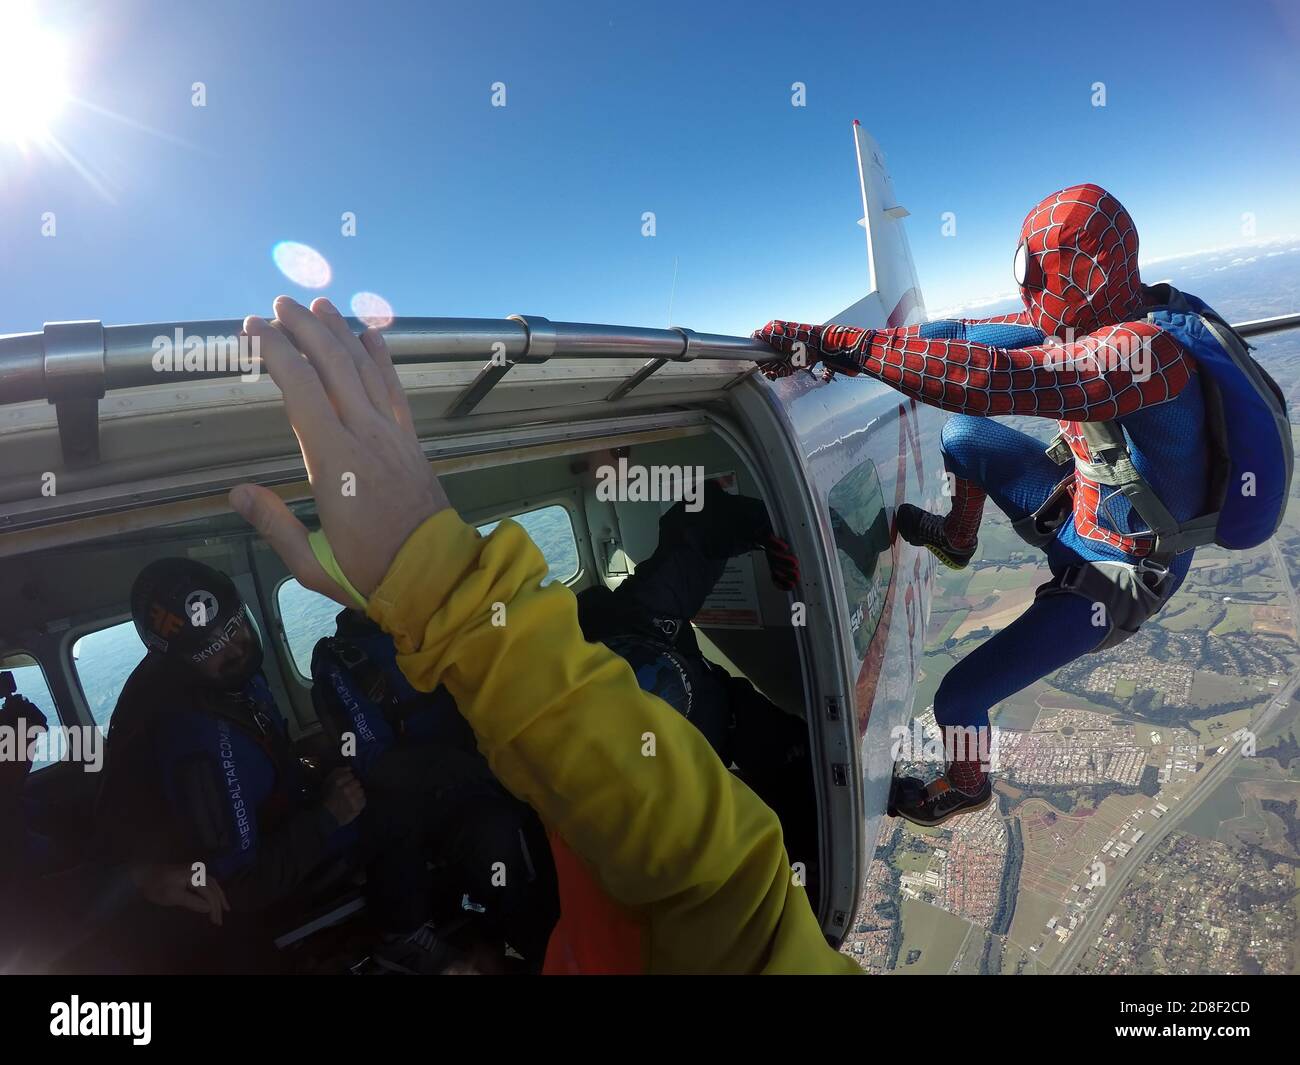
[[1110, 463], [1129, 594], [372, 680], [1039, 528]]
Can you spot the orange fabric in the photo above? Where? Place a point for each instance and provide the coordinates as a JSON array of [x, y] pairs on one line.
[[594, 935]]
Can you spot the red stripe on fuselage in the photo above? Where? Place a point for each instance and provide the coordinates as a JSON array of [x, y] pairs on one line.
[[869, 675], [907, 303]]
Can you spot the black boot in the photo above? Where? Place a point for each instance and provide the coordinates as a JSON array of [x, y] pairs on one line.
[[924, 529]]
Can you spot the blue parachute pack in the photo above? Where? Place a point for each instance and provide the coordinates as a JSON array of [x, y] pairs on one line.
[[1247, 417], [1251, 452]]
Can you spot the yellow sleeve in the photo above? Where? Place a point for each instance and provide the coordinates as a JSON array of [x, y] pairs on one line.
[[631, 786]]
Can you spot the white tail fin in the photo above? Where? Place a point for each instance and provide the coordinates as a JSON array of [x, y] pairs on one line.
[[894, 298]]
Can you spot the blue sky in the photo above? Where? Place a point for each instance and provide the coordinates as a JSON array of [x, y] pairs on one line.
[[463, 209]]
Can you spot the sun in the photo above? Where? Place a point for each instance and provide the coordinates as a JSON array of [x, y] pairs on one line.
[[33, 77]]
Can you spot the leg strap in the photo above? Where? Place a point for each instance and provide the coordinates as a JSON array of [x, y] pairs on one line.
[[1039, 528], [1128, 594]]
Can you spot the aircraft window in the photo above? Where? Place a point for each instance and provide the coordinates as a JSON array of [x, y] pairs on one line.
[[308, 616], [29, 681], [861, 527], [551, 529], [103, 660]]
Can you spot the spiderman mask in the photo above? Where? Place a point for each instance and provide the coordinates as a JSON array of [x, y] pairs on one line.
[[1076, 263]]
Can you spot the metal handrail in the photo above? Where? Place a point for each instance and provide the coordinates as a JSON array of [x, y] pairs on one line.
[[122, 356], [74, 364], [1262, 326]]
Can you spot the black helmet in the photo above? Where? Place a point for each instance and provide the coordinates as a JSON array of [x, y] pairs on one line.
[[194, 616]]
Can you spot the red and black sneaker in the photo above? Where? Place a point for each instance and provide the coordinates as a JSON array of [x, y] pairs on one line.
[[912, 799], [924, 529]]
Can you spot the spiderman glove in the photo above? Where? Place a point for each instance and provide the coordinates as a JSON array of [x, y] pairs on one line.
[[800, 344]]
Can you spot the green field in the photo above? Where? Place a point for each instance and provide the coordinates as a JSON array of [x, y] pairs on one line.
[[936, 933], [1055, 698], [1283, 725], [1002, 579], [1012, 958], [1210, 688], [951, 583], [969, 963], [933, 668], [911, 862], [1223, 804], [1020, 711], [1213, 730], [1033, 910], [1262, 769], [954, 619], [1239, 619], [1192, 613]]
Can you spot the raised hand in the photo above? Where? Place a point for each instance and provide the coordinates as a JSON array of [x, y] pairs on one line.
[[372, 483]]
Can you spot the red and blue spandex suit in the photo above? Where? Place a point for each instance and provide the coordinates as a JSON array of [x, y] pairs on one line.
[[1080, 351]]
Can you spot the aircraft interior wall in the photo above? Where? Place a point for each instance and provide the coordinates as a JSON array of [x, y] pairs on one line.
[[49, 600]]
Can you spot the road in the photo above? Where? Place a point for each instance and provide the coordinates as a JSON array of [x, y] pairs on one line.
[[1086, 934]]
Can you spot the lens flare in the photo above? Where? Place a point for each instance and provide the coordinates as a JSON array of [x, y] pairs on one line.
[[301, 264], [373, 309]]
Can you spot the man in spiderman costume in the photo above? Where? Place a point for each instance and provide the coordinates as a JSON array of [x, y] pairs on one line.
[[1082, 352]]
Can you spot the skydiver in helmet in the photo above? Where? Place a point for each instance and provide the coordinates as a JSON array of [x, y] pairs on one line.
[[200, 769]]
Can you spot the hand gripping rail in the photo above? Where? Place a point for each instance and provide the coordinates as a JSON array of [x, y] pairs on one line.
[[75, 364]]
